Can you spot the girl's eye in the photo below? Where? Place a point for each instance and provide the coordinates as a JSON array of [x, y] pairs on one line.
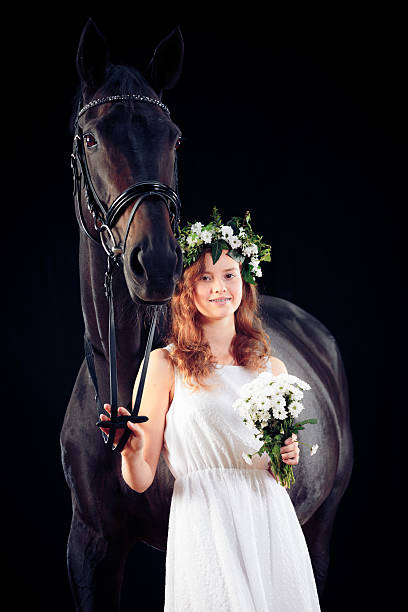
[[230, 275], [90, 141]]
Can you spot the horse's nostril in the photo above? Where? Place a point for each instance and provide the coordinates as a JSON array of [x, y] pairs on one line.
[[135, 264]]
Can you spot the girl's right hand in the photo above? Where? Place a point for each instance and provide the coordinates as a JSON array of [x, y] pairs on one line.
[[135, 442]]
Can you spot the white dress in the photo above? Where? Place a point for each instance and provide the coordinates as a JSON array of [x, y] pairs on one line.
[[234, 541]]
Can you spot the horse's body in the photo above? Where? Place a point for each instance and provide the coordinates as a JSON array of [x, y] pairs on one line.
[[310, 352], [108, 517]]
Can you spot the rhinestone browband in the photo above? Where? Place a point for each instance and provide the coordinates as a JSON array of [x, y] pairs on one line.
[[136, 97]]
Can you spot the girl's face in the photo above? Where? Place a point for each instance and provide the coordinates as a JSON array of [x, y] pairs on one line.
[[218, 292]]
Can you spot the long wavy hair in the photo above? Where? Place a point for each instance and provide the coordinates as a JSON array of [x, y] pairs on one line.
[[191, 353]]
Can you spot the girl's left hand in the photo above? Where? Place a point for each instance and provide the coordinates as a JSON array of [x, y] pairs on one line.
[[290, 452]]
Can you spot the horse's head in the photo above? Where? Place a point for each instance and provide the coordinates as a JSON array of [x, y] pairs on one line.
[[126, 144]]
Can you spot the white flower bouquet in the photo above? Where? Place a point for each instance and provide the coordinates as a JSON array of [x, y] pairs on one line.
[[269, 406]]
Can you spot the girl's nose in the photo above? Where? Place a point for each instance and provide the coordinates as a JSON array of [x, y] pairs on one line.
[[218, 285]]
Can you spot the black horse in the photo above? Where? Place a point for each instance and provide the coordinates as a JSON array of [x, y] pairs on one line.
[[127, 143]]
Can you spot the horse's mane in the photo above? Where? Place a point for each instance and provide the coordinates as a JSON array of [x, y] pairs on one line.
[[120, 80]]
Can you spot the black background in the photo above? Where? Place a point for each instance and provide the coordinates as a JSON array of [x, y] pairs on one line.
[[292, 116]]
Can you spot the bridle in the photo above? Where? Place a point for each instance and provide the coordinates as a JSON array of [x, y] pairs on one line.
[[104, 219]]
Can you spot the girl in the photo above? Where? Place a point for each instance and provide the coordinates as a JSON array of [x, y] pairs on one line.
[[234, 541]]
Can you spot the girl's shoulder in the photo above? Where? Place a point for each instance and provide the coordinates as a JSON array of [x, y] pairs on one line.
[[277, 366], [160, 360]]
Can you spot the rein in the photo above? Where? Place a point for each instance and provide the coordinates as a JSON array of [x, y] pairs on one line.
[[104, 219]]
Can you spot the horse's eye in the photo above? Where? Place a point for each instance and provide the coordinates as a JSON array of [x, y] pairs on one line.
[[178, 143], [90, 141]]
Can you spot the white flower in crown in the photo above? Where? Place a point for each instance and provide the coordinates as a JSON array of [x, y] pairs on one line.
[[207, 235], [191, 240], [234, 242], [226, 231], [196, 228], [256, 267], [250, 250], [237, 237]]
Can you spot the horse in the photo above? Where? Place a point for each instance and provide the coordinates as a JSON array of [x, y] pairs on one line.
[[136, 142], [128, 139]]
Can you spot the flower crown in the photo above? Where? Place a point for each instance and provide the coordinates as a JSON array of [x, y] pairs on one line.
[[237, 236]]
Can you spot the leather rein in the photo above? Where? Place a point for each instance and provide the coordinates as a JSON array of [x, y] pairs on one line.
[[104, 219]]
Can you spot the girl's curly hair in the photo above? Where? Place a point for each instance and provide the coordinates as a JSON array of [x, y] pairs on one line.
[[191, 354]]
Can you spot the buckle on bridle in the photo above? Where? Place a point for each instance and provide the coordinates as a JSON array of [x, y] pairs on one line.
[[113, 260]]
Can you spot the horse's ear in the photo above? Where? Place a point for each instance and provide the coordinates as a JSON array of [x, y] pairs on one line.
[[92, 58], [164, 69]]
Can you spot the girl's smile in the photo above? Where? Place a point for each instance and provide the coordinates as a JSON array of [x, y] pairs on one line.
[[222, 300]]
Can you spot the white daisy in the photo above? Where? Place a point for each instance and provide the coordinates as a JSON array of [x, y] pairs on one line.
[[196, 228], [226, 231], [295, 408], [278, 400], [250, 250], [191, 240], [265, 377], [207, 235], [235, 242], [313, 449], [247, 458], [296, 393], [279, 412], [302, 384]]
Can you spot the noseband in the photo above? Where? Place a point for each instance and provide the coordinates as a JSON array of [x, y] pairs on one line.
[[104, 219]]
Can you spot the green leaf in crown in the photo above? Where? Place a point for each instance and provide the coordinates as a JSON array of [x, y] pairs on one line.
[[237, 236], [235, 254], [216, 250]]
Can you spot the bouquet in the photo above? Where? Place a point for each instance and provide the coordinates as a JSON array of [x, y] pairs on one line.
[[269, 406]]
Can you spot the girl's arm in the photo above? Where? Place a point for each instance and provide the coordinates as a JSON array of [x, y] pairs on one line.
[[141, 454]]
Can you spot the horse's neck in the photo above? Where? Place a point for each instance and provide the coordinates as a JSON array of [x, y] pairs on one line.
[[130, 332]]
